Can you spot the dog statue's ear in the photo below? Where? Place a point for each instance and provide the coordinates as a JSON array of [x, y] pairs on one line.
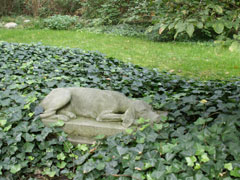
[[129, 116]]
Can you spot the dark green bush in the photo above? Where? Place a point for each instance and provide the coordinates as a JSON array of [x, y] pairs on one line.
[[118, 11], [198, 140]]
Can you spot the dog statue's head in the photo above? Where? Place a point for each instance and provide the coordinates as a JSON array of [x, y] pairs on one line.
[[144, 110], [140, 109]]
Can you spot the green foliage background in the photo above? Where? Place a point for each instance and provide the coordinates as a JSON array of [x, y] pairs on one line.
[[198, 140], [165, 20]]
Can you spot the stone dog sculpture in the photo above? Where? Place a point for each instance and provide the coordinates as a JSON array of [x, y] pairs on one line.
[[102, 105]]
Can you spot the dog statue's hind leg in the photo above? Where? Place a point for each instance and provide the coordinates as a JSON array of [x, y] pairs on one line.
[[110, 117], [54, 101]]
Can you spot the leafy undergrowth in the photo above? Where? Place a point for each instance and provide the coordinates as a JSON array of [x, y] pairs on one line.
[[199, 139]]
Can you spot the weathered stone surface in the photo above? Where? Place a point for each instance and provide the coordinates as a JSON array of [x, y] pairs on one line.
[[26, 21], [88, 112], [84, 130], [10, 25]]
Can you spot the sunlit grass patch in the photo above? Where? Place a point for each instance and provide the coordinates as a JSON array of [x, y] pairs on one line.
[[200, 60]]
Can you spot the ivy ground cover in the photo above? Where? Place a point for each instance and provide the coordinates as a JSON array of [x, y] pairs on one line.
[[198, 140], [197, 60]]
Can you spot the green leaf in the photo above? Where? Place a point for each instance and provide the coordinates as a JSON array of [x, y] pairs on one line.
[[200, 121], [129, 130], [164, 118], [157, 127], [191, 160], [200, 25], [218, 9], [31, 158], [204, 158], [199, 149], [28, 147], [3, 123], [100, 166], [218, 27], [89, 166], [142, 121], [197, 166], [15, 168], [28, 137], [190, 29], [6, 129], [122, 150], [61, 164], [228, 166], [235, 172], [82, 147], [67, 147], [180, 26], [140, 140], [59, 123], [61, 156], [49, 172]]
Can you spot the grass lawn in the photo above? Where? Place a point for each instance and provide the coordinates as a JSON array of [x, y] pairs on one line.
[[202, 60]]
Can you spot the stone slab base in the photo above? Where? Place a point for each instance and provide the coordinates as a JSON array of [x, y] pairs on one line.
[[83, 130]]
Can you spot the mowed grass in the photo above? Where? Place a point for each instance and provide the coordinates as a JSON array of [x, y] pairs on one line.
[[199, 60]]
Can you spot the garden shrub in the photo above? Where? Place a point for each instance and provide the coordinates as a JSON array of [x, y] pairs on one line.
[[60, 22], [198, 140], [121, 29], [198, 18]]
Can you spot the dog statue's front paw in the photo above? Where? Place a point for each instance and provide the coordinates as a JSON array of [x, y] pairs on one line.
[[127, 122], [63, 118], [72, 115]]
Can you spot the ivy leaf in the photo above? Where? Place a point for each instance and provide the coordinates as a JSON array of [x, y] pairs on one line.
[[61, 164], [235, 172], [204, 158], [191, 160], [49, 172], [59, 123], [61, 156], [28, 137], [67, 147], [28, 147], [87, 167], [7, 128], [197, 166], [15, 168], [129, 130], [122, 150], [3, 123], [82, 147], [228, 166], [100, 166], [157, 127], [200, 121], [142, 121], [199, 149]]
